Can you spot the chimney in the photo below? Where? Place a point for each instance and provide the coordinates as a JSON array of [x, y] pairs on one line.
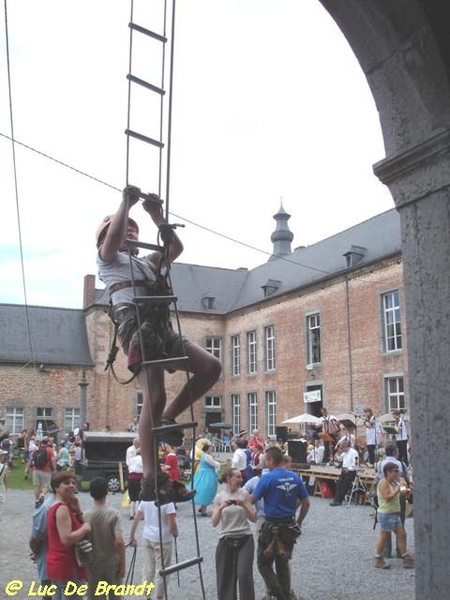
[[89, 290]]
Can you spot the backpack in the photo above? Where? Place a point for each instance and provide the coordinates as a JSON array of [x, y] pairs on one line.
[[40, 458]]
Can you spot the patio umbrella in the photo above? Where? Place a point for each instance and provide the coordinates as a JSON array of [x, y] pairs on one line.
[[388, 418], [303, 418], [221, 425]]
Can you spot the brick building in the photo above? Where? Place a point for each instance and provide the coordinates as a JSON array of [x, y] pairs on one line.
[[318, 326]]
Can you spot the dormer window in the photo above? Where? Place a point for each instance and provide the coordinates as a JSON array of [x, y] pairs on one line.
[[270, 287], [354, 255], [208, 302]]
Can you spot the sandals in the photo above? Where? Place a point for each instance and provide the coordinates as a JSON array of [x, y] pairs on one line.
[[173, 438], [380, 563], [173, 491], [164, 490], [408, 561], [148, 486]]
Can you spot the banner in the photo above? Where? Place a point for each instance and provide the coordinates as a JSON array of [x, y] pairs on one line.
[[313, 396]]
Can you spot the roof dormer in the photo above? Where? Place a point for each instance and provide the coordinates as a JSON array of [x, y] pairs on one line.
[[208, 301], [354, 255], [270, 287]]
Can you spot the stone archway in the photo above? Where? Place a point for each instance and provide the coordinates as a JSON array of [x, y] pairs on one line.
[[404, 51]]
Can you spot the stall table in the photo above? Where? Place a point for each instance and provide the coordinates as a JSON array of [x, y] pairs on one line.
[[322, 473]]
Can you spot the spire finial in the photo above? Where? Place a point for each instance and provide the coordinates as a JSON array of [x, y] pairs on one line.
[[282, 236]]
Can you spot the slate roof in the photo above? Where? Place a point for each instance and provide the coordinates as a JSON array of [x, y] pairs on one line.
[[194, 283], [58, 335], [235, 289]]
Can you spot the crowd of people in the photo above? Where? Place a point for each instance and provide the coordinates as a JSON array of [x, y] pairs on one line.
[[254, 484], [59, 528], [41, 456]]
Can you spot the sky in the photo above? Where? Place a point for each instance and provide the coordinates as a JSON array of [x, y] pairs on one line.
[[269, 105]]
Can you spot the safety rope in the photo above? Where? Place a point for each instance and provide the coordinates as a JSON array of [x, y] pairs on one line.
[[114, 349], [16, 187], [177, 216]]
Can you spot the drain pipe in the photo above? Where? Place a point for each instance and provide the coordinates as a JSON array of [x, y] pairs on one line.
[[349, 343]]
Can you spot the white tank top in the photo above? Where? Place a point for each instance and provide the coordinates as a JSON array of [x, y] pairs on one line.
[[119, 270]]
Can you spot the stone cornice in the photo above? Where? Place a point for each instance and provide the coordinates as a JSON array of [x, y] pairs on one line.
[[329, 281], [419, 171]]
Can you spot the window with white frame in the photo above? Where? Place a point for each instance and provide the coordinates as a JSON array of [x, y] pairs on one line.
[[44, 412], [252, 411], [271, 412], [213, 401], [395, 393], [139, 402], [44, 416], [269, 348], [71, 418], [14, 419], [392, 322], [236, 413], [214, 346], [252, 365], [236, 355], [313, 350]]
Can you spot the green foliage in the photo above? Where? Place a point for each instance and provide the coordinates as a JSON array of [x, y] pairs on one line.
[[16, 476]]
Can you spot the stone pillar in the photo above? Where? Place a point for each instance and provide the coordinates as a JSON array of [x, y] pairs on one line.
[[419, 180]]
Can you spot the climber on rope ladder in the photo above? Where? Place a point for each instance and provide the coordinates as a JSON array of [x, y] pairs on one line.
[[159, 340]]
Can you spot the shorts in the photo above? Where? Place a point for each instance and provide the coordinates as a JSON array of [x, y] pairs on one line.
[[134, 489], [389, 521], [42, 477], [159, 340]]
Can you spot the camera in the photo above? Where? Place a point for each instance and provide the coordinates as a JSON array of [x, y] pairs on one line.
[[230, 502]]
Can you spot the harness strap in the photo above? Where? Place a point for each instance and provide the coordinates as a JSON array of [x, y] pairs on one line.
[[112, 357], [115, 287]]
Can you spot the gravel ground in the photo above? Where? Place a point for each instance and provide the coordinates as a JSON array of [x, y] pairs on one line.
[[332, 559]]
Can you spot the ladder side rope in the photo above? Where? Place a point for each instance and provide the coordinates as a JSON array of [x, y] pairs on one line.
[[167, 266], [169, 116], [197, 542], [16, 186], [161, 104], [130, 63]]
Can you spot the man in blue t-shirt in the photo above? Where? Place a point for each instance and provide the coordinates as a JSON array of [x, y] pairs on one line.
[[283, 492]]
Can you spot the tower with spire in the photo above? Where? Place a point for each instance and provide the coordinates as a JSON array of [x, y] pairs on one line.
[[282, 236]]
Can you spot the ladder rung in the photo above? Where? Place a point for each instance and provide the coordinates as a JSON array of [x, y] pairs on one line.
[[155, 299], [138, 244], [181, 565], [174, 427], [145, 84], [165, 362], [144, 138], [151, 197], [152, 34]]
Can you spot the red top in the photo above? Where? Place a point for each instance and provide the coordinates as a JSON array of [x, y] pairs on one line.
[[61, 561], [172, 462]]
